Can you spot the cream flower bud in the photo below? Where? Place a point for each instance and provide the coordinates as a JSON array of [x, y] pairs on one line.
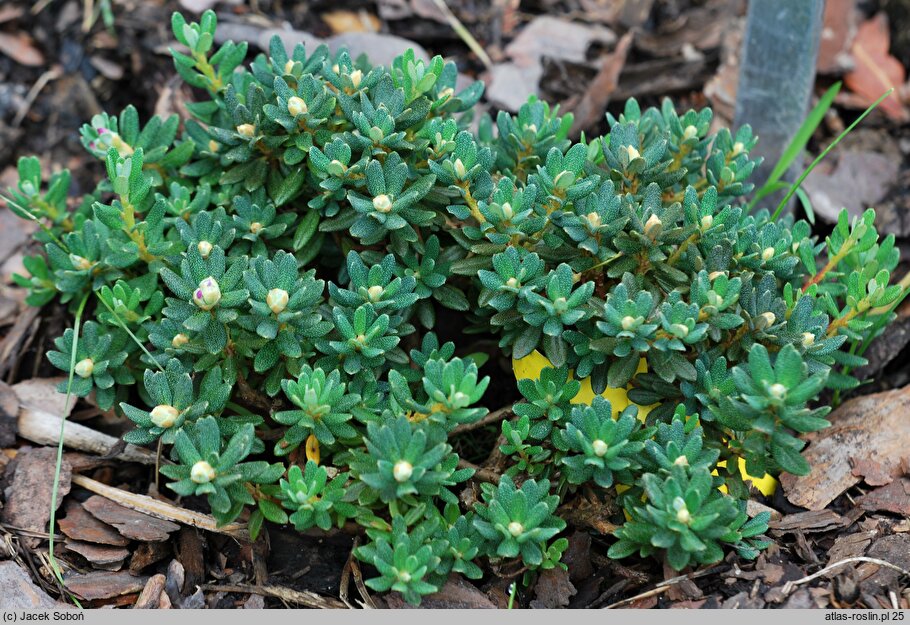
[[202, 472], [460, 170], [765, 320], [683, 515], [653, 226], [600, 448], [707, 221], [164, 416], [382, 203], [213, 145], [516, 529], [633, 152], [80, 263], [690, 133], [402, 471], [512, 283], [356, 77], [205, 248], [679, 329], [767, 254], [594, 219], [777, 390], [208, 294], [507, 211], [681, 461], [180, 340], [404, 576], [255, 227], [296, 106], [277, 300], [808, 339], [627, 322], [289, 66], [738, 148], [84, 368], [374, 293], [246, 130]]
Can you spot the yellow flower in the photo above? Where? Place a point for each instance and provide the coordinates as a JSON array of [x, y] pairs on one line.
[[531, 365]]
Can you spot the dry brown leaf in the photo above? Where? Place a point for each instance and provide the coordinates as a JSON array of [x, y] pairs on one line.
[[876, 70], [351, 21], [21, 48]]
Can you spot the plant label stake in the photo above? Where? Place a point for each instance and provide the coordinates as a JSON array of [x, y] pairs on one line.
[[777, 74]]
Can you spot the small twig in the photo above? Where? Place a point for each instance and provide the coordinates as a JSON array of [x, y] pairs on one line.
[[161, 509], [52, 74], [302, 597], [663, 587], [493, 417], [466, 36], [790, 586]]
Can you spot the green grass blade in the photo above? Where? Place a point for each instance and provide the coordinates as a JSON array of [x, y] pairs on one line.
[[56, 487], [799, 181]]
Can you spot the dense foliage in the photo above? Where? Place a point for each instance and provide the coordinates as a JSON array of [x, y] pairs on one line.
[[266, 280]]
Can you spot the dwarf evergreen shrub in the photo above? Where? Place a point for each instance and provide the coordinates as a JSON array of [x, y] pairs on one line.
[[264, 279]]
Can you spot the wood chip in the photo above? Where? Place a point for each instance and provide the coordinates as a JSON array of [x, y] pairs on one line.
[[589, 109], [102, 555], [850, 546], [20, 47], [456, 594], [28, 499], [151, 595], [147, 554], [895, 497], [131, 524], [19, 592], [811, 521], [82, 526], [874, 426], [9, 408], [103, 584]]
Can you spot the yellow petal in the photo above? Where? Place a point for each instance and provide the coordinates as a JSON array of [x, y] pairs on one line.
[[312, 448], [531, 365]]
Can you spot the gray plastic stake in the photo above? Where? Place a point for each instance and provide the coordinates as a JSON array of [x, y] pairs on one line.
[[777, 74]]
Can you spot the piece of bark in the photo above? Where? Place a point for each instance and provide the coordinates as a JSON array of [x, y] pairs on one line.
[[147, 554], [895, 497], [28, 498], [103, 584], [150, 597], [894, 549], [19, 592], [9, 408], [849, 546], [872, 427], [456, 593], [101, 555], [553, 589], [590, 108], [41, 394], [131, 524], [811, 521], [82, 526], [191, 555]]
